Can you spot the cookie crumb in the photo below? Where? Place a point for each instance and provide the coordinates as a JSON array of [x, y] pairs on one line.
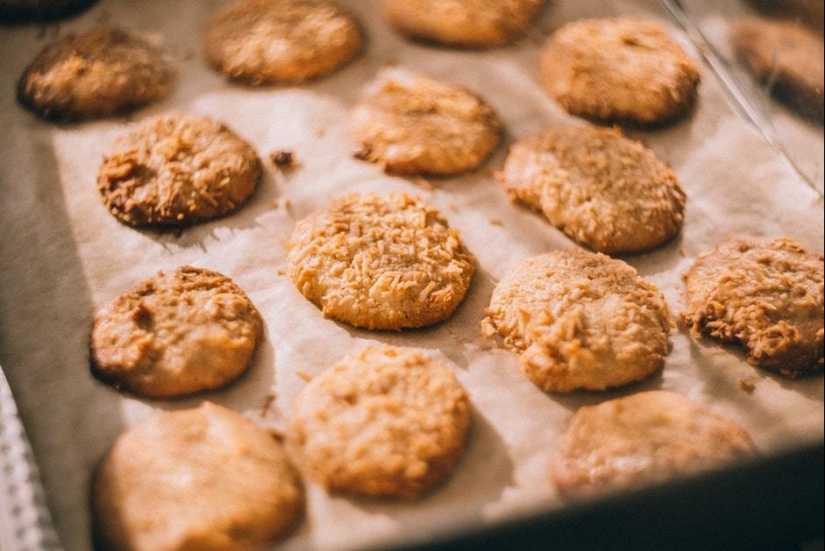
[[304, 375], [269, 401], [747, 386], [283, 159], [497, 222]]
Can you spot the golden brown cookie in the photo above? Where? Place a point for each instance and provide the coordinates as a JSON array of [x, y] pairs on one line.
[[786, 57], [605, 191], [385, 422], [176, 171], [580, 320], [640, 440], [25, 11], [623, 70], [280, 41], [101, 73], [206, 478], [176, 334], [380, 263], [464, 23], [412, 124], [766, 296]]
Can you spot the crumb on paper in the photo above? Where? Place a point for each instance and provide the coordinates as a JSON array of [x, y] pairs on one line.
[[682, 252], [747, 385], [304, 375], [276, 434], [497, 222], [424, 184], [280, 273], [268, 403]]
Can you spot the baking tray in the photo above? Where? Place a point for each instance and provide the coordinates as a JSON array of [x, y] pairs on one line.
[[51, 286]]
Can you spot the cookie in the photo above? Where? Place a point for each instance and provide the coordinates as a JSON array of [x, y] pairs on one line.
[[411, 124], [764, 295], [580, 320], [260, 42], [176, 334], [787, 58], [380, 263], [640, 440], [387, 422], [99, 74], [606, 192], [470, 24], [176, 171], [26, 11], [205, 478], [622, 70]]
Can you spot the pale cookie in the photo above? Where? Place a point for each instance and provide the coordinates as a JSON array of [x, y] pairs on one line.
[[380, 263], [641, 440], [463, 23], [176, 334], [388, 422], [102, 73], [580, 320], [24, 11], [411, 124], [786, 57], [766, 296], [206, 478], [623, 70], [261, 42], [605, 191], [176, 171]]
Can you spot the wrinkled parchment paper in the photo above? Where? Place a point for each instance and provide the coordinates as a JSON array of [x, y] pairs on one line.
[[62, 255]]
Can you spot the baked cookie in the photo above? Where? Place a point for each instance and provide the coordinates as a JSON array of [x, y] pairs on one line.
[[380, 263], [386, 422], [766, 296], [412, 124], [176, 334], [261, 42], [580, 320], [640, 440], [622, 70], [605, 191], [463, 23], [206, 478], [786, 57], [24, 11], [102, 73], [176, 171]]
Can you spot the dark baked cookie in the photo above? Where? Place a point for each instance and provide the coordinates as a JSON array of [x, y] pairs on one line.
[[176, 171], [102, 73]]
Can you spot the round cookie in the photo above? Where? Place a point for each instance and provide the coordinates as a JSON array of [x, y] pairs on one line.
[[766, 296], [414, 125], [787, 57], [380, 263], [206, 478], [580, 320], [176, 171], [387, 422], [640, 440], [623, 70], [261, 42], [101, 73], [176, 334], [463, 23], [24, 11], [605, 191]]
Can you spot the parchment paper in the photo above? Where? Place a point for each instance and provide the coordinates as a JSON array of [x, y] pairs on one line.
[[62, 255]]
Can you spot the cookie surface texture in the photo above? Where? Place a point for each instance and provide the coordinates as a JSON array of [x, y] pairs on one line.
[[173, 171], [766, 296], [25, 11], [388, 422], [380, 263], [205, 478], [580, 320], [606, 192], [471, 24], [787, 57], [176, 334], [102, 73], [411, 124], [623, 70], [643, 439], [260, 42]]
